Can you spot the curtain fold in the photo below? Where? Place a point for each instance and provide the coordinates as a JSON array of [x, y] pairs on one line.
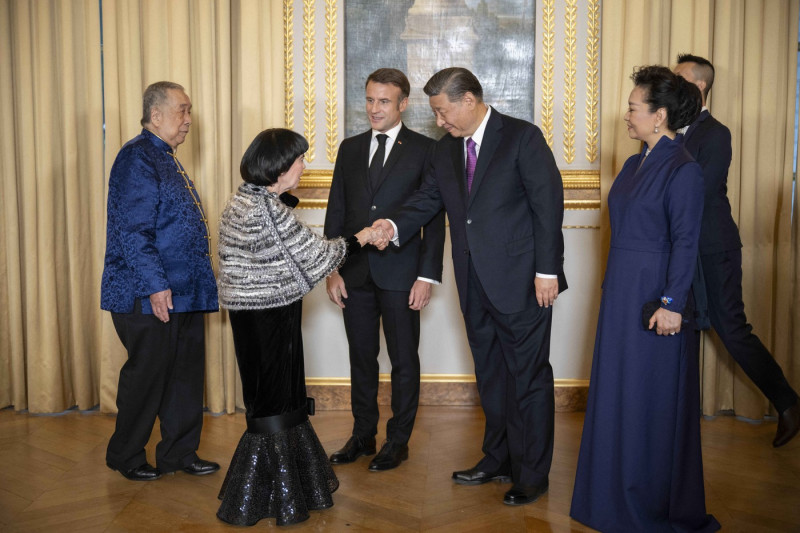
[[753, 46], [51, 202], [57, 348]]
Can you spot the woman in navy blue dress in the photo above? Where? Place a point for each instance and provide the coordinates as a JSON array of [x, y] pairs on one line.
[[640, 466]]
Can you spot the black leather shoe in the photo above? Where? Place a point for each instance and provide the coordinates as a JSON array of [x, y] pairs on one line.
[[473, 476], [353, 449], [145, 472], [201, 467], [788, 425], [390, 456], [521, 494]]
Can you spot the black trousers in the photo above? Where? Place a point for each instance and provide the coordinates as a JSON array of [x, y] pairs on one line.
[[364, 307], [723, 276], [163, 377], [515, 382]]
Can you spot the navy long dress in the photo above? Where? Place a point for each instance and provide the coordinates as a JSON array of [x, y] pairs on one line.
[[640, 466]]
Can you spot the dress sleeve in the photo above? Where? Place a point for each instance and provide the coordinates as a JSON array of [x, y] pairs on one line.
[[684, 206]]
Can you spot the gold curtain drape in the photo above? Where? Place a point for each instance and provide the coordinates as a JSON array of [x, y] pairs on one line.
[[53, 204], [753, 45], [58, 349]]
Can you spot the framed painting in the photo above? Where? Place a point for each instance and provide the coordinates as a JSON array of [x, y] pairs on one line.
[[492, 38]]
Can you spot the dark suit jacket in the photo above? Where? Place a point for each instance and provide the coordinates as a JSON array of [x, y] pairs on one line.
[[353, 205], [709, 142], [510, 224]]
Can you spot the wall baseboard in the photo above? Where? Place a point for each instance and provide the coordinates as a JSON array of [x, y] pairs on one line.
[[333, 394]]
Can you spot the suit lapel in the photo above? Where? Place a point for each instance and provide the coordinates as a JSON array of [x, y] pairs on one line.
[[700, 118], [491, 140], [457, 153], [363, 159]]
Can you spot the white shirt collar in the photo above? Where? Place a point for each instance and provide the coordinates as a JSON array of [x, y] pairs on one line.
[[392, 133], [480, 130]]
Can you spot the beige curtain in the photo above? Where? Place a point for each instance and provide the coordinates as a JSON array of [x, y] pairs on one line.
[[57, 348], [753, 45], [53, 202]]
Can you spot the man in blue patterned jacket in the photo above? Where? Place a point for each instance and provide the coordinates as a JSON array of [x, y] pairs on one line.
[[157, 283]]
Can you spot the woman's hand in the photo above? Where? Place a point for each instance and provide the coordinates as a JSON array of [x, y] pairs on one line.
[[666, 322]]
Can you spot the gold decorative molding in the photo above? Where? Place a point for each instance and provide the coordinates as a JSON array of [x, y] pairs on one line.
[[288, 63], [581, 179], [548, 67], [572, 179], [309, 87], [570, 30], [592, 80], [570, 205], [582, 205], [331, 136]]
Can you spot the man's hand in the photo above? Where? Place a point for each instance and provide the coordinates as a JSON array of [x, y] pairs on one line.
[[420, 295], [161, 302], [546, 291], [666, 322], [336, 291], [387, 231]]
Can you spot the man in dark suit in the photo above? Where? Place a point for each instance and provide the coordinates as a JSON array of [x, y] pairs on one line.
[[497, 180], [375, 172], [709, 142]]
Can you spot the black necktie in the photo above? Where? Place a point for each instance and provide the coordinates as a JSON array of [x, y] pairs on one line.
[[376, 166]]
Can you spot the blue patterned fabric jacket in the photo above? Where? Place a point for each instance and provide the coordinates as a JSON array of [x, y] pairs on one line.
[[157, 237]]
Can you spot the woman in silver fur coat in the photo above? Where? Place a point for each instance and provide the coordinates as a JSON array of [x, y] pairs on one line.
[[268, 260]]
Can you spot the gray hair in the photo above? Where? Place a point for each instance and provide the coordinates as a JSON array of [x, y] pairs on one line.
[[154, 96], [455, 82]]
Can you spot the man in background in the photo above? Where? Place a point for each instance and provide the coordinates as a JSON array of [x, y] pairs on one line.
[[709, 142]]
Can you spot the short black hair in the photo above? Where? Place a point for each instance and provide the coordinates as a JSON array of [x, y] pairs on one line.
[[391, 76], [455, 82], [664, 88], [703, 70], [271, 153]]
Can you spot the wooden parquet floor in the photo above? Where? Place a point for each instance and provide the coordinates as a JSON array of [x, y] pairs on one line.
[[53, 478]]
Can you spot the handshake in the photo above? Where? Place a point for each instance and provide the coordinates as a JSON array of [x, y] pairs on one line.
[[379, 235]]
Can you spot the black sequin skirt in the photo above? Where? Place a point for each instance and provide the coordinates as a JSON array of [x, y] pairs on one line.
[[279, 469], [282, 475]]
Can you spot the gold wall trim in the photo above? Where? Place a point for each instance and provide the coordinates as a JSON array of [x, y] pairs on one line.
[[548, 67], [572, 179], [570, 205], [288, 63], [592, 80], [331, 135], [570, 68], [309, 86], [438, 378], [582, 205]]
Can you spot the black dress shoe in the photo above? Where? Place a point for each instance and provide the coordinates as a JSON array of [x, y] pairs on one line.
[[145, 472], [788, 425], [521, 494], [201, 467], [473, 476], [353, 449], [390, 456]]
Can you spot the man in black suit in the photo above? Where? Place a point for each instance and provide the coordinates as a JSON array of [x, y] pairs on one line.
[[497, 180], [709, 142], [375, 173]]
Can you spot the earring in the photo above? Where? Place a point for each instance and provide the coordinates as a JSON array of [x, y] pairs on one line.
[[656, 129]]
